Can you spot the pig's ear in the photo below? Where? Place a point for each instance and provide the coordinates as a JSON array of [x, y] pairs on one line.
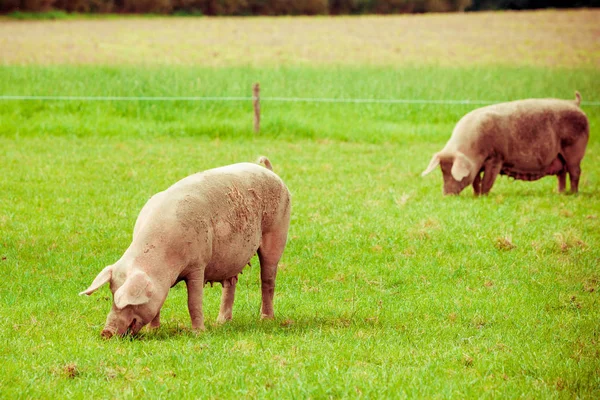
[[102, 278], [461, 167], [136, 290], [435, 161]]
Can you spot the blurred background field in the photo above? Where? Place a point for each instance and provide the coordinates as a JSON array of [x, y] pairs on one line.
[[386, 289], [60, 8], [545, 38], [478, 56]]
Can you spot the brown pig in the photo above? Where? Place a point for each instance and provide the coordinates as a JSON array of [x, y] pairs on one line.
[[204, 228], [524, 139]]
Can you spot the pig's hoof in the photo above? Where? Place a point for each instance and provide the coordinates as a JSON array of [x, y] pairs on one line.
[[222, 319], [267, 316]]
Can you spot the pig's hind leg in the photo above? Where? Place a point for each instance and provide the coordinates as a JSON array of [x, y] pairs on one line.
[[574, 173], [269, 253], [562, 181], [573, 156]]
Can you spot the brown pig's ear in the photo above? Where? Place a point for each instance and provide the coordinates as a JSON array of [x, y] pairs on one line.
[[435, 161], [102, 278], [461, 167], [136, 290]]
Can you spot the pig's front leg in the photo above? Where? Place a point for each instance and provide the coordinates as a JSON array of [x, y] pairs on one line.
[[477, 184], [155, 323], [491, 170], [195, 287], [227, 297]]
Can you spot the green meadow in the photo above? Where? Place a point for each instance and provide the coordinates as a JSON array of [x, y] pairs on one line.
[[387, 289]]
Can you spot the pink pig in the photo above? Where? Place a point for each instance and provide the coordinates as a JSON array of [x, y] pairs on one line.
[[524, 139], [204, 228]]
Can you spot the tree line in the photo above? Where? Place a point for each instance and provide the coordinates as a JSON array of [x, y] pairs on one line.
[[280, 7]]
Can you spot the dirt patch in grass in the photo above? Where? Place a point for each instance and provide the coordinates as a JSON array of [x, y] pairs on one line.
[[504, 243], [538, 38]]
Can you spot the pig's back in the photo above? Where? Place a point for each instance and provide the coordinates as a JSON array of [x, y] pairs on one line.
[[529, 133], [530, 120], [229, 207]]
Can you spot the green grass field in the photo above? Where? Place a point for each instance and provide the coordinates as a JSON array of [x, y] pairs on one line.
[[387, 289]]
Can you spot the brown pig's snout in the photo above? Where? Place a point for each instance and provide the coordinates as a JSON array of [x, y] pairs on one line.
[[107, 334]]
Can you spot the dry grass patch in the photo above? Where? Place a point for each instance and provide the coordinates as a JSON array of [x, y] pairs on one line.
[[424, 228], [568, 240], [504, 243], [533, 38]]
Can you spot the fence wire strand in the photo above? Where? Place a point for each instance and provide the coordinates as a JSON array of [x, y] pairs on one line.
[[262, 99]]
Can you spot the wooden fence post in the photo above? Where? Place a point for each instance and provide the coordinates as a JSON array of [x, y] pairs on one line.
[[256, 101]]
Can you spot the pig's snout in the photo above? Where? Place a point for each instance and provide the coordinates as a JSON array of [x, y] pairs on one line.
[[132, 329], [107, 333], [450, 191]]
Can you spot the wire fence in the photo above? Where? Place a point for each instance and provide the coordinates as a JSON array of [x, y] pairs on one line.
[[262, 99]]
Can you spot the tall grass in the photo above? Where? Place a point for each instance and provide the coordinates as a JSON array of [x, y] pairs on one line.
[[374, 123]]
